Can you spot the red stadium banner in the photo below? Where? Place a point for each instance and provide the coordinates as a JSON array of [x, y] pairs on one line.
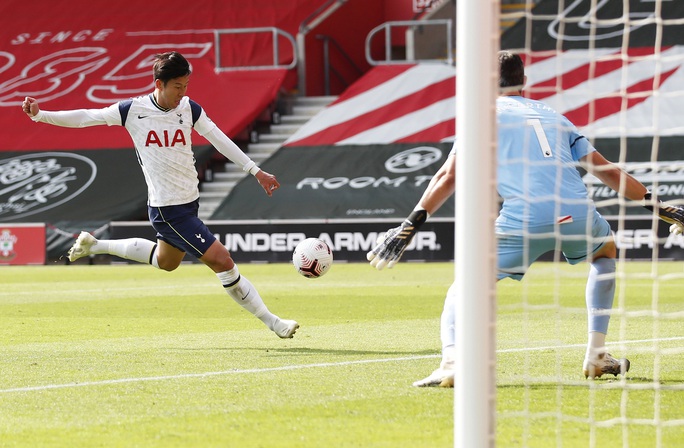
[[22, 244], [90, 55]]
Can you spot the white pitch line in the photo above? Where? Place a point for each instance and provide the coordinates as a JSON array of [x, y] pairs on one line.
[[555, 347], [208, 374], [301, 366], [99, 290]]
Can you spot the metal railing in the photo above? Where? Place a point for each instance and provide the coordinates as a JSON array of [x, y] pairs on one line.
[[276, 33], [412, 26], [328, 67], [308, 25]]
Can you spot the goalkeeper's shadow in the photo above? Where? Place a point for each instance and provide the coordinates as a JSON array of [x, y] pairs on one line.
[[341, 352], [582, 383]]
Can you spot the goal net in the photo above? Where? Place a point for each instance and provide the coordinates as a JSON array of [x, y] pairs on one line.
[[615, 68]]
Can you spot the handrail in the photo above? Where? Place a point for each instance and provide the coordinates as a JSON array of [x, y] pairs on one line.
[[412, 24], [320, 15], [327, 65], [311, 22], [276, 32]]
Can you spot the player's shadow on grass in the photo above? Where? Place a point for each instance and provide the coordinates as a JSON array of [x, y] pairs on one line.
[[322, 351], [583, 383]]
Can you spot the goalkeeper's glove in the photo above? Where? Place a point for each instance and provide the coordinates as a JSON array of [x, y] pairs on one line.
[[671, 214], [393, 243]]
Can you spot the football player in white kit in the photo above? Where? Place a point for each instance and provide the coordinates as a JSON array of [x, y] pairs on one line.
[[160, 125], [545, 205]]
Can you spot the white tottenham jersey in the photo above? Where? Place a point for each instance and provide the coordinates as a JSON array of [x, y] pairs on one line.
[[163, 143], [162, 140]]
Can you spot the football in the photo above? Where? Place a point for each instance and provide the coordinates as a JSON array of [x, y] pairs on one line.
[[312, 258]]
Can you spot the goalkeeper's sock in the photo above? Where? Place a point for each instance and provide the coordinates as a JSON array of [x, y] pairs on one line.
[[596, 345], [246, 295], [448, 319], [600, 293], [134, 249], [448, 357]]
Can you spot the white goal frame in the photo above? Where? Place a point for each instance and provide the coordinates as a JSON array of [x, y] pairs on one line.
[[477, 42]]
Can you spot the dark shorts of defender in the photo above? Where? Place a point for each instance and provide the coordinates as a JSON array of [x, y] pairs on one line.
[[179, 226]]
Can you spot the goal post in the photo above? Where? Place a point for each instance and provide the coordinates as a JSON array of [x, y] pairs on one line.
[[477, 42], [615, 70]]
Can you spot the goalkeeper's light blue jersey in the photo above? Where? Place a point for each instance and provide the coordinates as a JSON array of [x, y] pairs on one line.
[[538, 154]]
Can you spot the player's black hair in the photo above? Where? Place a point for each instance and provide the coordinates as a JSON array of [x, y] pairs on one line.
[[168, 66], [511, 70]]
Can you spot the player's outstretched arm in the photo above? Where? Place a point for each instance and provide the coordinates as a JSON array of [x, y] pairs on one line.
[[613, 176], [392, 244], [232, 152], [626, 185], [77, 118]]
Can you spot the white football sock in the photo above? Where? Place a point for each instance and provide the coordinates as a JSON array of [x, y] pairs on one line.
[[596, 344], [134, 249], [448, 356], [600, 293], [448, 319], [246, 295]]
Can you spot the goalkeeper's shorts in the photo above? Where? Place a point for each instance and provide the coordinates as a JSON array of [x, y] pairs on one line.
[[179, 226], [517, 249]]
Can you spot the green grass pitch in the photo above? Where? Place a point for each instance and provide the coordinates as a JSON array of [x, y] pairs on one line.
[[128, 356]]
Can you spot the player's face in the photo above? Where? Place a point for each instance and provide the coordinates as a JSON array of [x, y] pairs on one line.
[[170, 94]]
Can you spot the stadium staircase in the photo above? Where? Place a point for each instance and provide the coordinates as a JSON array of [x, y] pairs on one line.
[[292, 115]]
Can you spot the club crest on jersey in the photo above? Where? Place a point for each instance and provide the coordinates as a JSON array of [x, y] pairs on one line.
[[165, 140], [180, 118]]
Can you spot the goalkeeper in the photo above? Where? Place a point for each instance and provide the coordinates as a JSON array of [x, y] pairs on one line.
[[545, 205]]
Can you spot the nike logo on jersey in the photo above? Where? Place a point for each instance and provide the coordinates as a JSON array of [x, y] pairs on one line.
[[140, 117], [199, 237]]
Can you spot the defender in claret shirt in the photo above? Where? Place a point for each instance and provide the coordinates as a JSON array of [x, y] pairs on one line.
[[160, 125]]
